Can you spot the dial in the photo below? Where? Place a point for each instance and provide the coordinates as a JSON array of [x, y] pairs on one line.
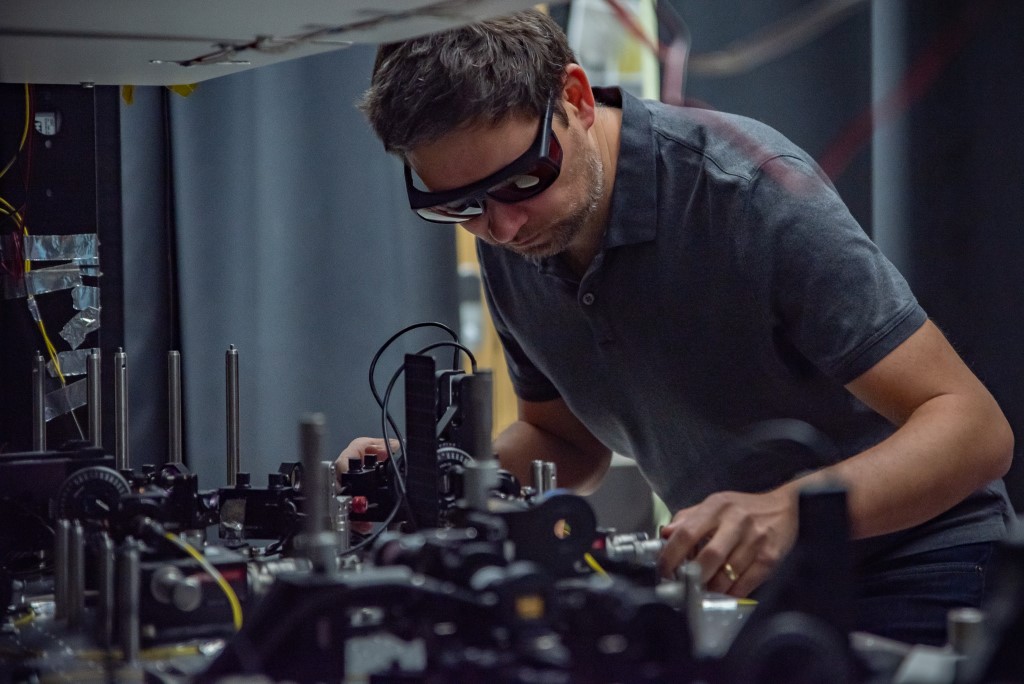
[[450, 462], [91, 494]]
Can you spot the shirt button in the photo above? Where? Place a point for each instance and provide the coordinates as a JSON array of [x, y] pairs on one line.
[[588, 298]]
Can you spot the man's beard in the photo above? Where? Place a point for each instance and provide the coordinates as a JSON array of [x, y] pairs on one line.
[[588, 182]]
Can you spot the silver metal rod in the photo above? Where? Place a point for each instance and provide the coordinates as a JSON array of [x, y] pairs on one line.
[[537, 471], [60, 569], [39, 403], [121, 456], [342, 525], [93, 388], [76, 576], [321, 540], [174, 407], [128, 583], [105, 591], [234, 430], [311, 440], [690, 575], [550, 476]]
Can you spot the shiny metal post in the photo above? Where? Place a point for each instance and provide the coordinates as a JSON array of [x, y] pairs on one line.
[[174, 407], [550, 476], [39, 403], [76, 576], [121, 456], [105, 591], [321, 540], [537, 471], [93, 389], [690, 575], [128, 590], [61, 567], [234, 430]]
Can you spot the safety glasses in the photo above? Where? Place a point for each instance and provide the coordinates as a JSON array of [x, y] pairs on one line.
[[529, 175]]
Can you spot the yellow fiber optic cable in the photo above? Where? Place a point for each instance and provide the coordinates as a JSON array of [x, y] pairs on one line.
[[236, 606]]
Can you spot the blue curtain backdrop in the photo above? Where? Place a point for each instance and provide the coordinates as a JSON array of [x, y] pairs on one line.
[[292, 242]]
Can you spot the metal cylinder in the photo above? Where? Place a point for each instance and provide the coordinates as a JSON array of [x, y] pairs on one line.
[[341, 525], [690, 575], [634, 548], [61, 568], [320, 540], [105, 590], [93, 389], [39, 403], [479, 478], [537, 471], [128, 583], [234, 455], [549, 474], [76, 575], [174, 407], [964, 628], [311, 439], [121, 455]]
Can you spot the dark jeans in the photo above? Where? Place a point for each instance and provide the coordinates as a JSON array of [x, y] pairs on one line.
[[907, 599]]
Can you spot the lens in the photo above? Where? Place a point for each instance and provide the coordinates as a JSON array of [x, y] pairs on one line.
[[525, 185], [452, 212]]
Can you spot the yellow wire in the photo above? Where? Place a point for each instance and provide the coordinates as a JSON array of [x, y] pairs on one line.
[[19, 221], [595, 566], [50, 349], [25, 619], [155, 653], [24, 134], [236, 606]]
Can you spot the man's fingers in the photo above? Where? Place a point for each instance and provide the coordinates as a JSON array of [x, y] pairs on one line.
[[360, 447], [683, 538], [726, 546]]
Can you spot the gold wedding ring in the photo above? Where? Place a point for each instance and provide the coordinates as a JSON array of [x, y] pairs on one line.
[[730, 572]]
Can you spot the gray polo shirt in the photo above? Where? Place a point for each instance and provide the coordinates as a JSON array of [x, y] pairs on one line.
[[733, 291]]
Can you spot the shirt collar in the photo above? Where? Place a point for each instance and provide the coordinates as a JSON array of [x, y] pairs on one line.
[[632, 217]]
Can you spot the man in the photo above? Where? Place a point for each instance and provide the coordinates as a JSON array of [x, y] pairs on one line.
[[665, 279]]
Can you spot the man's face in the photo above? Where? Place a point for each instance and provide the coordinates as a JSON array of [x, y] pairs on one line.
[[541, 226]]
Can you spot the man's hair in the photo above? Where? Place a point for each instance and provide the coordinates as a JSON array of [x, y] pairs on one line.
[[485, 73]]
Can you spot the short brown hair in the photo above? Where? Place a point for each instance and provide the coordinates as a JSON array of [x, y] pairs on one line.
[[426, 87]]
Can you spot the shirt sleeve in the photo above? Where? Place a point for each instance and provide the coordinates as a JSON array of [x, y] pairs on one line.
[[840, 301]]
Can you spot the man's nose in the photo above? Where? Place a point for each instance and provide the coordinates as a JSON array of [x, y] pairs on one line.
[[504, 221]]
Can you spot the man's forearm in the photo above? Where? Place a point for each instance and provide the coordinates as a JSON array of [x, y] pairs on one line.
[[521, 443], [948, 448]]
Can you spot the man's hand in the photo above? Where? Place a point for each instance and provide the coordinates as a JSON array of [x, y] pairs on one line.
[[361, 447], [738, 539]]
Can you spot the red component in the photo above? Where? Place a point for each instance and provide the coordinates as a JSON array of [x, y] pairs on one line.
[[360, 504]]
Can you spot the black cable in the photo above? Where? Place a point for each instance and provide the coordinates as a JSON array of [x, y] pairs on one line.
[[383, 348], [396, 465], [376, 358], [398, 459], [391, 385]]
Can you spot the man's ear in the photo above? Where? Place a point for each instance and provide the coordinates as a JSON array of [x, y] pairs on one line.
[[577, 97]]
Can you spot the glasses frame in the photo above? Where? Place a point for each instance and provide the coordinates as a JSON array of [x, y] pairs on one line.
[[544, 153]]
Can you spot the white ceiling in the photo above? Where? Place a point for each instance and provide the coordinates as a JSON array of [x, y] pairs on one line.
[[169, 42]]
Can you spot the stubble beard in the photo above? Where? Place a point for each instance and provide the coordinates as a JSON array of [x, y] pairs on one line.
[[589, 187]]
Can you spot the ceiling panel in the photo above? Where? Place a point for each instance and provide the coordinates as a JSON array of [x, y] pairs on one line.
[[162, 42]]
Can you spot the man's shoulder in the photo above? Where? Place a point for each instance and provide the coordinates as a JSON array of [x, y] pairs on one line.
[[737, 144]]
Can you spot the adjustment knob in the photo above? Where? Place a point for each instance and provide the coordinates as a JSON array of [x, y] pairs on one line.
[[170, 585]]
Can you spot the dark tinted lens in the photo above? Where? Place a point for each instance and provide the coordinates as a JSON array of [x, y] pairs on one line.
[[525, 185], [538, 179]]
